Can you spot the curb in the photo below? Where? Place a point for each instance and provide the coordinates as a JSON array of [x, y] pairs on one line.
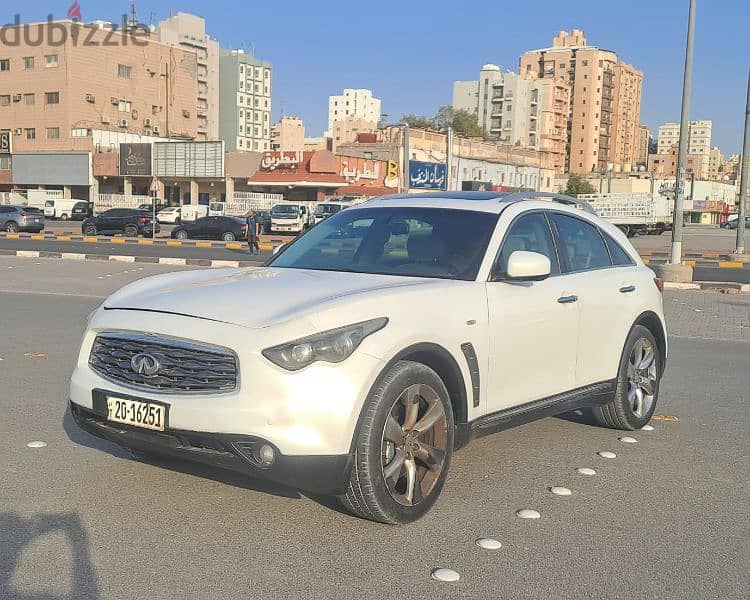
[[189, 262], [713, 263], [731, 287]]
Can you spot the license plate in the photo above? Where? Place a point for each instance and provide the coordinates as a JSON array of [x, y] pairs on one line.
[[137, 413]]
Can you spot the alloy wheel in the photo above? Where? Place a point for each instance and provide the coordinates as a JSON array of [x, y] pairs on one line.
[[413, 448], [642, 375], [11, 227]]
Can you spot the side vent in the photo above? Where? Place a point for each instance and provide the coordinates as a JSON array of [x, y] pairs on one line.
[[471, 359]]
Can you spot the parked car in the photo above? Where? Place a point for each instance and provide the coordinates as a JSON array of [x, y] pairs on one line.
[[734, 223], [130, 222], [355, 366], [228, 229], [82, 210], [21, 218], [63, 208], [171, 214]]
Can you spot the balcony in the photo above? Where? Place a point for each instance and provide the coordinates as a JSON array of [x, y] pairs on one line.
[[497, 98]]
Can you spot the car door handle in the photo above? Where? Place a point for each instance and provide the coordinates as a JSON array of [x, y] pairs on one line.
[[627, 289], [568, 299]]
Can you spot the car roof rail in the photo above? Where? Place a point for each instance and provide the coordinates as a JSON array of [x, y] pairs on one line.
[[560, 198]]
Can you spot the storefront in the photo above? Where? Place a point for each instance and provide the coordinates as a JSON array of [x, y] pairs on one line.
[[69, 172]]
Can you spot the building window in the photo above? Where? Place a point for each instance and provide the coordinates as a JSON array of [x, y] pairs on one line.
[[585, 63], [5, 64], [124, 71], [4, 159], [28, 62], [31, 134], [52, 98], [50, 61], [5, 100], [124, 106], [53, 133], [29, 99], [155, 110]]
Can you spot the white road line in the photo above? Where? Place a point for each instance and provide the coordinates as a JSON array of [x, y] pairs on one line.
[[124, 259], [63, 294]]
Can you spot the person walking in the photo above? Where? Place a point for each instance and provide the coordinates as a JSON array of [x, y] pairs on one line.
[[252, 232]]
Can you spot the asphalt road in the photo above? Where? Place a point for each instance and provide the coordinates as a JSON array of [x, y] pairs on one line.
[[666, 519]]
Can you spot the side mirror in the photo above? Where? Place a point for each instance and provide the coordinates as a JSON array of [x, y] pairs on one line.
[[278, 249], [528, 266]]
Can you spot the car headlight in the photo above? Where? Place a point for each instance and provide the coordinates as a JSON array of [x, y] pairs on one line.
[[332, 346]]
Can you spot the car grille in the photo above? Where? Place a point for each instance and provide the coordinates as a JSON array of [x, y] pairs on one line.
[[183, 367]]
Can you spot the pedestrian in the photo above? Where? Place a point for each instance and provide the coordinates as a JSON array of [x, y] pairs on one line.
[[252, 232]]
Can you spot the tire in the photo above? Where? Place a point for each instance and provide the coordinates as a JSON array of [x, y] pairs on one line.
[[11, 227], [90, 230], [626, 410], [625, 229], [228, 237], [181, 235], [130, 231], [378, 488], [64, 217]]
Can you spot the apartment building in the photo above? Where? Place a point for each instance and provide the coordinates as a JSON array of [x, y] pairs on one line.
[[664, 166], [356, 104], [530, 113], [244, 102], [189, 32], [288, 135], [347, 130], [699, 139], [715, 171], [63, 95], [642, 140], [604, 106]]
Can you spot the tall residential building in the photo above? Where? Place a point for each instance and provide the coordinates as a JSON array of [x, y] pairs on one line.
[[244, 102], [664, 165], [356, 104], [75, 96], [715, 171], [288, 135], [189, 32], [531, 113], [699, 139], [642, 140], [605, 101]]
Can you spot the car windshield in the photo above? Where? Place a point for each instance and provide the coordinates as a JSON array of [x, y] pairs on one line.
[[327, 209], [411, 242], [285, 210]]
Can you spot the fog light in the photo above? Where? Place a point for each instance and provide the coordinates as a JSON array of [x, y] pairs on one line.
[[266, 455]]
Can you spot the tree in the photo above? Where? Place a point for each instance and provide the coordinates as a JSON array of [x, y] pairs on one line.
[[418, 122], [578, 185], [465, 123]]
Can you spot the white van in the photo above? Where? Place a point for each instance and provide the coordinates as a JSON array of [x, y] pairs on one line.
[[61, 208], [193, 212]]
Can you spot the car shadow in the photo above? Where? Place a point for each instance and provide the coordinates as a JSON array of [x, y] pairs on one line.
[[219, 475], [582, 416], [17, 533]]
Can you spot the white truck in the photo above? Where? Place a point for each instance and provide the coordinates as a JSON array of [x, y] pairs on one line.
[[292, 217], [633, 213], [193, 212], [242, 202], [104, 202]]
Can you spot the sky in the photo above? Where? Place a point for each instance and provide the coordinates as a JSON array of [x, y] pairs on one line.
[[410, 52]]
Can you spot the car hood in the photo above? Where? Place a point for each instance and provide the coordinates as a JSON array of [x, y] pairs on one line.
[[252, 297]]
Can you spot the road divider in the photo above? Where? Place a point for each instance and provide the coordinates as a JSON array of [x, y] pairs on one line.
[[190, 262]]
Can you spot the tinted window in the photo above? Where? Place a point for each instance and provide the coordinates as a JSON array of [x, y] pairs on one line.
[[413, 242], [581, 244], [619, 256], [528, 233], [7, 209], [110, 214]]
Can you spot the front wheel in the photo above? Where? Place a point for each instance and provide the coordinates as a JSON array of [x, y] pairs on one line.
[[404, 446], [228, 237], [181, 235], [637, 384], [11, 227], [64, 217], [90, 230], [131, 231]]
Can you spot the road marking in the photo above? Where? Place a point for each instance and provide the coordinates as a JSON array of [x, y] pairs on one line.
[[585, 471], [203, 244], [657, 417], [63, 238], [445, 575], [234, 246], [233, 264], [118, 240], [27, 253], [36, 444], [730, 264], [626, 439], [527, 513], [713, 255], [560, 491], [91, 240], [607, 454], [174, 243], [123, 259], [172, 261], [34, 354], [12, 236], [689, 263], [72, 256], [37, 237], [647, 428], [145, 242], [488, 544]]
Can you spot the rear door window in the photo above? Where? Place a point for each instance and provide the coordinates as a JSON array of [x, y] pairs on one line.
[[620, 258], [581, 245]]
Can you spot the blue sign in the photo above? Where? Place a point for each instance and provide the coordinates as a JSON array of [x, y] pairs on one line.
[[427, 176]]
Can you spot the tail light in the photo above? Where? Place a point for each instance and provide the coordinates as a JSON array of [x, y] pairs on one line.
[[659, 284], [143, 219]]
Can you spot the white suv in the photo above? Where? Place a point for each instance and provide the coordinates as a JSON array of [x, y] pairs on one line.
[[372, 347]]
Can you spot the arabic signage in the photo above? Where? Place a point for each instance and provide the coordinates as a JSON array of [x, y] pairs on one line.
[[427, 176], [280, 160], [356, 170], [189, 159], [6, 142], [135, 160]]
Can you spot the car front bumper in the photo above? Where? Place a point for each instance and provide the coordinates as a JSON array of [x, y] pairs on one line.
[[326, 475]]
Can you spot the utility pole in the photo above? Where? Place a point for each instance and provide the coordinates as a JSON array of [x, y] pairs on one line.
[[405, 166], [744, 175], [679, 192], [448, 158]]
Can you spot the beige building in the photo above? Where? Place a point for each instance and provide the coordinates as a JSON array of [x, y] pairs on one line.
[[359, 105], [346, 131], [288, 135], [642, 139], [664, 166], [63, 97], [715, 164], [530, 113], [189, 32], [605, 101], [699, 139]]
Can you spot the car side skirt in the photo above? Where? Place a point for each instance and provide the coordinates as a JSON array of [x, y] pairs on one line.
[[591, 395]]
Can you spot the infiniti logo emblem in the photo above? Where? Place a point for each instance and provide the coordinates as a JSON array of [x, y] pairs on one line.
[[145, 364]]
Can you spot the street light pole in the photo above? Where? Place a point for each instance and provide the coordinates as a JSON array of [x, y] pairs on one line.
[[679, 195], [744, 175]]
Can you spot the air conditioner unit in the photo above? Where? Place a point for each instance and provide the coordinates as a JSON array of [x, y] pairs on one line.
[[114, 101], [122, 123], [91, 98], [186, 114], [106, 120], [17, 131], [17, 98], [147, 122], [155, 129]]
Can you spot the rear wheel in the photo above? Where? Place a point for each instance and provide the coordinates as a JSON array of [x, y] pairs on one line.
[[89, 230], [131, 231], [11, 227], [404, 446], [228, 237], [64, 217], [181, 235], [637, 384]]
